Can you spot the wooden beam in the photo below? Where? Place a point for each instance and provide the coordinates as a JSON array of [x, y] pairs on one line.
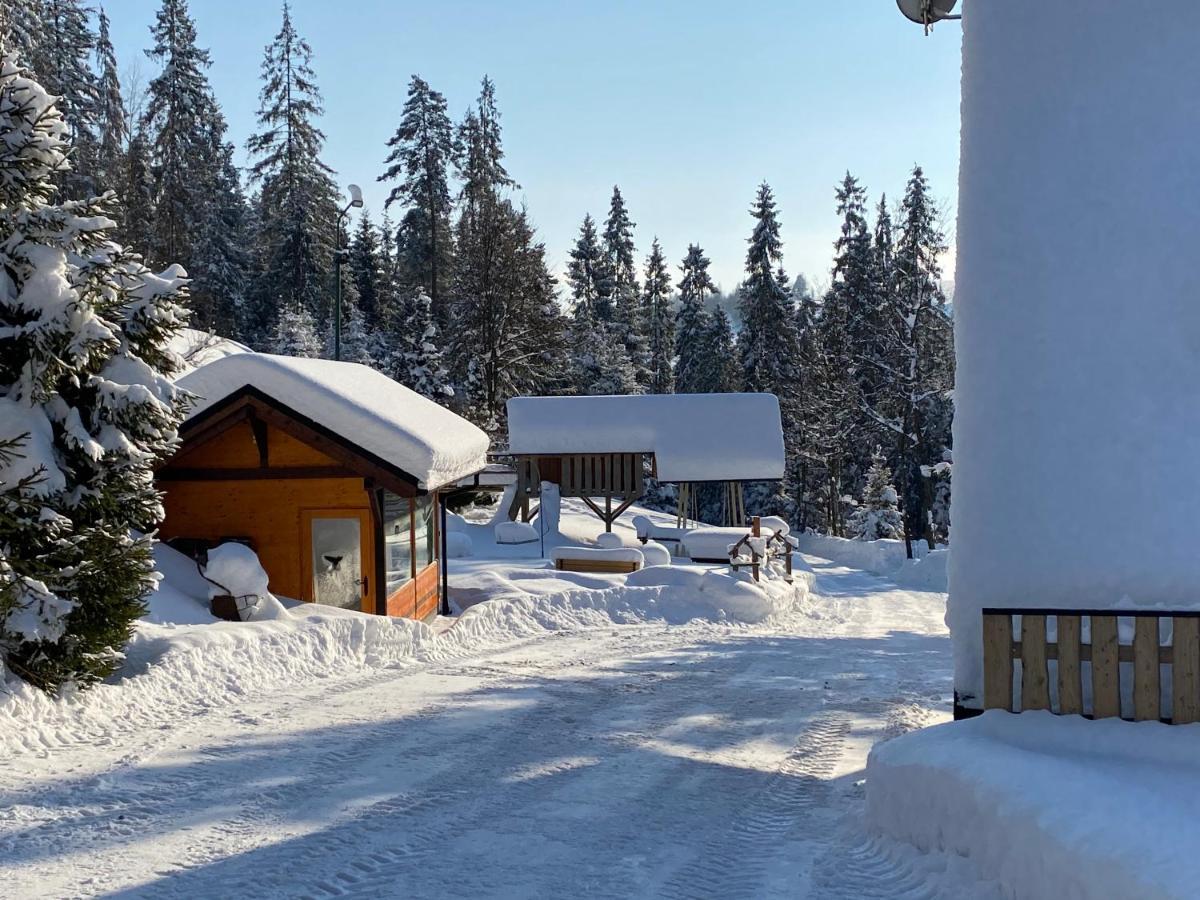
[[1070, 681], [1146, 696], [1185, 671], [259, 429], [997, 661], [1106, 668], [1035, 680], [207, 474]]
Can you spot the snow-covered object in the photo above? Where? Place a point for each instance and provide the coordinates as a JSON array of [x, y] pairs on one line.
[[36, 458], [516, 533], [1076, 323], [648, 530], [237, 571], [655, 554], [772, 524], [591, 554], [694, 437], [458, 545], [608, 540], [378, 414], [550, 507], [197, 348], [713, 543], [1048, 806]]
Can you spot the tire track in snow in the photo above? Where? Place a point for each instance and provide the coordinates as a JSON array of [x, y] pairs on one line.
[[734, 863]]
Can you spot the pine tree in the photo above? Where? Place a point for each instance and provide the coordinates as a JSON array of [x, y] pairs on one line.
[[693, 323], [221, 261], [416, 359], [112, 128], [767, 344], [21, 31], [136, 190], [296, 333], [67, 43], [178, 104], [86, 408], [660, 323], [297, 201], [877, 517], [585, 272], [422, 150], [367, 267], [617, 290], [718, 359]]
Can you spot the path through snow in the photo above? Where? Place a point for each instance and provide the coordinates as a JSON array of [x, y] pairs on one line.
[[630, 761]]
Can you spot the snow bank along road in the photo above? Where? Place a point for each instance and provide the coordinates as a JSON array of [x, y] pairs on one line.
[[629, 761]]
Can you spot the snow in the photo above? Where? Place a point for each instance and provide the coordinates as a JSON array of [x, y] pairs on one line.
[[1051, 806], [883, 557], [196, 348], [712, 543], [598, 554], [236, 571], [557, 741], [694, 437], [515, 533], [34, 456], [647, 530], [609, 540], [1076, 431], [379, 415], [655, 554]]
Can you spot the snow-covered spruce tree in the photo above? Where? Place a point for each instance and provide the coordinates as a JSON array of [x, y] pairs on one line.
[[295, 333], [660, 323], [693, 322], [878, 516], [719, 356], [135, 188], [366, 267], [65, 71], [421, 152], [617, 303], [585, 272], [21, 31], [178, 104], [86, 408], [112, 128], [297, 207], [416, 358], [767, 344]]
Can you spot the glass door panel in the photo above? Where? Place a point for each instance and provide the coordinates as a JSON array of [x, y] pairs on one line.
[[337, 570]]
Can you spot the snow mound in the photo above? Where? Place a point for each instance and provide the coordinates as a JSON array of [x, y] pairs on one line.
[[882, 557], [516, 533], [656, 554], [411, 432], [197, 348], [1049, 806], [609, 540], [236, 570], [599, 554]]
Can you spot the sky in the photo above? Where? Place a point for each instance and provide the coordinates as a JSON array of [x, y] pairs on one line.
[[687, 106]]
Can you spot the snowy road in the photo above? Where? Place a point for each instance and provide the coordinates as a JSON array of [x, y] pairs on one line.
[[635, 761]]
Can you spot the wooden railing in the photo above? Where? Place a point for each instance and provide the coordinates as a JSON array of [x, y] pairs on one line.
[[1098, 646], [776, 545]]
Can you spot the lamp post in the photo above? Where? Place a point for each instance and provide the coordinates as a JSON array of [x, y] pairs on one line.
[[356, 202]]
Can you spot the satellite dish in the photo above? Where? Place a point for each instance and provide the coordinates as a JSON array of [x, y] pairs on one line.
[[926, 12]]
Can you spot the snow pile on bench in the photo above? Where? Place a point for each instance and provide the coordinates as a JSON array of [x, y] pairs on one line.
[[598, 554], [714, 543], [516, 533], [648, 530], [655, 554], [694, 437], [411, 432], [1049, 806]]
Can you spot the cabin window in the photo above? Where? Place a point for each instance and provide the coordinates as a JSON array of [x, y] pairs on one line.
[[397, 538], [423, 532]]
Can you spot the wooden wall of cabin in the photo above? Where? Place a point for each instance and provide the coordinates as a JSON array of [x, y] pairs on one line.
[[268, 510]]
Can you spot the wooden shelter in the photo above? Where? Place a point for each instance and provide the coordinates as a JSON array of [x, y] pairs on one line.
[[330, 471], [601, 449]]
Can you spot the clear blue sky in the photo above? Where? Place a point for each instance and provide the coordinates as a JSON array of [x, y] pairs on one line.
[[685, 105]]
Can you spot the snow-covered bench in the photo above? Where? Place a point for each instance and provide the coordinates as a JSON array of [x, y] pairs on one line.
[[749, 547], [516, 533], [587, 559], [664, 534]]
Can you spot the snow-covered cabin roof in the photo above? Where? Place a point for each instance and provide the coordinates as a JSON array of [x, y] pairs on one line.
[[197, 348], [364, 407], [694, 437]]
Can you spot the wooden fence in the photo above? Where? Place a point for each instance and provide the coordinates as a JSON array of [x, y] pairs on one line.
[[1099, 647]]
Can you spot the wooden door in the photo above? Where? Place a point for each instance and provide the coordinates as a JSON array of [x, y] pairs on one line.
[[337, 557]]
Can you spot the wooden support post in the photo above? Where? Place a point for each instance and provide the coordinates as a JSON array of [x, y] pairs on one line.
[[997, 661], [1035, 680], [1070, 674], [1146, 696], [1185, 670], [1106, 668]]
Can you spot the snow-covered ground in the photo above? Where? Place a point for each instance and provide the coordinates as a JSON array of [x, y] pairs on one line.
[[605, 740]]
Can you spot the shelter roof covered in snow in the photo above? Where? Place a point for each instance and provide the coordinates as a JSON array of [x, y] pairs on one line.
[[357, 403], [694, 437]]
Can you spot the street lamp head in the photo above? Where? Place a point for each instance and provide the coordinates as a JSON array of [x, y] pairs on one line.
[[356, 199]]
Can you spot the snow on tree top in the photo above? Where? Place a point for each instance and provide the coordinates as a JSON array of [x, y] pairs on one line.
[[383, 417], [694, 437]]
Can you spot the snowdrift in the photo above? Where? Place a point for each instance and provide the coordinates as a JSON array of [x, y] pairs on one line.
[[182, 658], [1049, 806], [884, 557]]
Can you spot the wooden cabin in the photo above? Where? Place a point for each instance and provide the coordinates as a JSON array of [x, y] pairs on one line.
[[332, 472], [602, 449]]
